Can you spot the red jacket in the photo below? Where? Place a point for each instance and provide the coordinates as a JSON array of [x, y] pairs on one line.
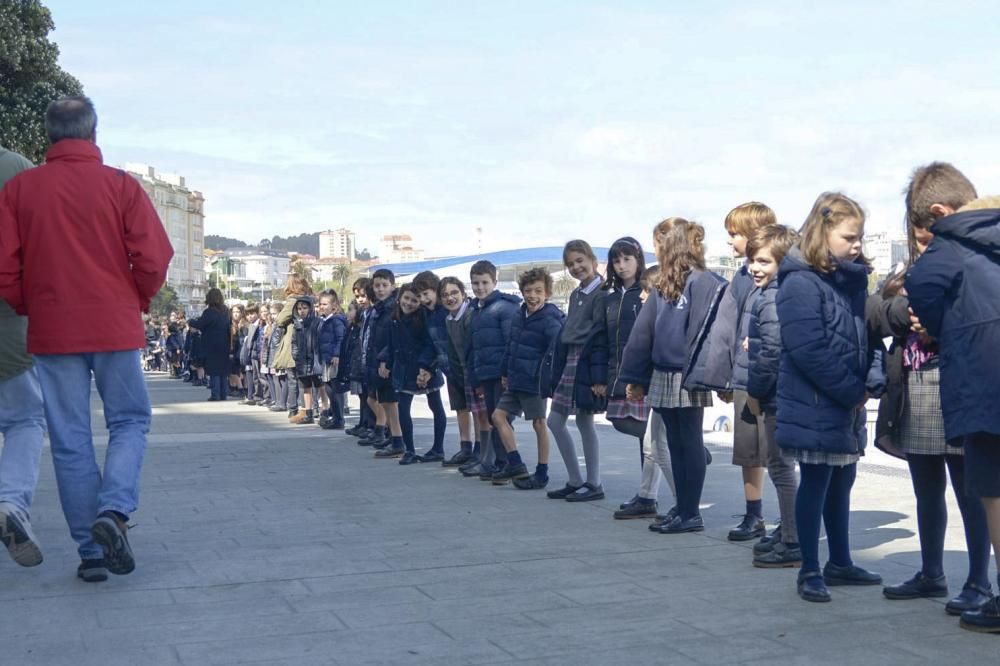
[[82, 252]]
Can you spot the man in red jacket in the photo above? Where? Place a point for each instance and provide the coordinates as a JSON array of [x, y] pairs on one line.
[[82, 253]]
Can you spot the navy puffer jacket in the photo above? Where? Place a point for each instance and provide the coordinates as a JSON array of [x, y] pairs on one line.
[[954, 288], [532, 339], [331, 337], [621, 309], [377, 330], [305, 341], [742, 290], [489, 333], [409, 349], [825, 360], [765, 347]]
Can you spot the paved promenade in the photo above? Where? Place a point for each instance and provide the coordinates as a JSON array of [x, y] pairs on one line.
[[260, 542]]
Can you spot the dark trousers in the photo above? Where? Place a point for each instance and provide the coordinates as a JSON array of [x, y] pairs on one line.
[[282, 394], [824, 493], [930, 484], [687, 455], [293, 390], [220, 386]]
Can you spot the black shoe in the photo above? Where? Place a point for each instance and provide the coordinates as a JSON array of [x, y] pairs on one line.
[[779, 557], [473, 461], [486, 473], [532, 482], [768, 542], [850, 575], [751, 527], [431, 456], [275, 408], [111, 534], [563, 492], [307, 419], [708, 456], [920, 586], [509, 473], [390, 452], [460, 458], [17, 536], [812, 587], [625, 505], [662, 519], [92, 571], [971, 598], [292, 412], [409, 458], [336, 425], [471, 470], [354, 431], [680, 526], [985, 619], [638, 509]]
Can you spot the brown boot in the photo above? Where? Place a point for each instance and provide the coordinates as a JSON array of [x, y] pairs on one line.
[[299, 417]]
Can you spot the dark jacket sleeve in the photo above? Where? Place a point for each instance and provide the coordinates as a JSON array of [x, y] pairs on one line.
[[599, 344], [765, 349], [929, 280], [887, 317], [721, 341], [803, 338], [339, 335], [427, 356], [146, 242], [637, 358]]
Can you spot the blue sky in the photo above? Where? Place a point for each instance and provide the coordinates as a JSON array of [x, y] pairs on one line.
[[537, 121]]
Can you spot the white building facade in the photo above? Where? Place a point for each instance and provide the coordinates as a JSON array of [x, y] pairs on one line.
[[337, 244], [884, 251], [398, 249], [181, 212]]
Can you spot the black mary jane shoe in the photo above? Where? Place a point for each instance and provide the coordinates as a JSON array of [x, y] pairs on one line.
[[588, 493], [971, 598], [431, 456], [409, 458], [812, 587], [563, 492], [918, 587], [834, 574]]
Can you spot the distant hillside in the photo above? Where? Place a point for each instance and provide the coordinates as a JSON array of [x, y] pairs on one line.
[[301, 244]]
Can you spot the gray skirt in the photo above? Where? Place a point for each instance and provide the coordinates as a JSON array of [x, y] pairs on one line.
[[921, 425], [665, 392]]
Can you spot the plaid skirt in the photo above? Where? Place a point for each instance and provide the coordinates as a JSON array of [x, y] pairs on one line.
[[562, 397], [475, 404], [620, 408], [665, 392], [921, 425], [821, 457]]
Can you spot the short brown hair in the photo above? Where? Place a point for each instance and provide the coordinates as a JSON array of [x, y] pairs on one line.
[[936, 183], [747, 218], [778, 237], [426, 280], [535, 274], [830, 209], [483, 267], [581, 246], [649, 278], [253, 308]]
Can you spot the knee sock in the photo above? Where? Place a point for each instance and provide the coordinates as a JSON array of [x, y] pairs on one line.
[[977, 535], [513, 458], [813, 485], [564, 441], [929, 481], [591, 448], [837, 514], [466, 447], [484, 441], [542, 471]]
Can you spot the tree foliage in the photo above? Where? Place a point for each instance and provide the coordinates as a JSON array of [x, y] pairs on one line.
[[164, 302], [30, 76]]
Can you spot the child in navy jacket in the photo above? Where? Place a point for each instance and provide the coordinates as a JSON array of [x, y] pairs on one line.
[[533, 337], [823, 384], [332, 332]]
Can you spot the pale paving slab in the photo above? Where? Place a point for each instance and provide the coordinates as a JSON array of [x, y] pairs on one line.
[[261, 542]]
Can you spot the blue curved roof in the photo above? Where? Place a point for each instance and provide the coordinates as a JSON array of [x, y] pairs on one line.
[[501, 258]]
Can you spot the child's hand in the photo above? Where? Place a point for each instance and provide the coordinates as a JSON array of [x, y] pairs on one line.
[[753, 404], [915, 324], [383, 371], [335, 366], [725, 396], [423, 377], [746, 344], [635, 392], [600, 390]]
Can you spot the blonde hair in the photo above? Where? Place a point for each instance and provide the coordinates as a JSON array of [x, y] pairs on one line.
[[747, 218], [680, 248], [829, 211]]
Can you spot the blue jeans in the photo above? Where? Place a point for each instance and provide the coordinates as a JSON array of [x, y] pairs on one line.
[[219, 384], [22, 422], [83, 491]]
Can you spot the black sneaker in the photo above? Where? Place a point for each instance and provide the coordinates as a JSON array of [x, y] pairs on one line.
[[16, 534], [751, 527], [918, 587], [563, 492], [458, 459], [409, 458], [768, 542], [985, 619], [639, 509], [92, 571], [780, 556], [970, 598], [533, 482], [510, 473], [834, 574], [431, 456], [111, 534]]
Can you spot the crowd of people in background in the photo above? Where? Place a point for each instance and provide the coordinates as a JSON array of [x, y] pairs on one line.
[[794, 342]]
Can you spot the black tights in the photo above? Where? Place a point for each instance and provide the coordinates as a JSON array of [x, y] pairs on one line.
[[406, 420], [824, 492], [930, 483]]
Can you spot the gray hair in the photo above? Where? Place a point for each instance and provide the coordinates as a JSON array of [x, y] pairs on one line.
[[71, 117]]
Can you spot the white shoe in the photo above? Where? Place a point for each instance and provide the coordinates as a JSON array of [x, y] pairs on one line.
[[16, 534]]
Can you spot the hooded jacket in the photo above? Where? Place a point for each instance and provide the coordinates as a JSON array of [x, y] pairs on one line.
[[408, 350], [823, 369], [489, 333], [621, 309], [332, 332], [954, 288], [305, 341], [377, 330], [533, 338]]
